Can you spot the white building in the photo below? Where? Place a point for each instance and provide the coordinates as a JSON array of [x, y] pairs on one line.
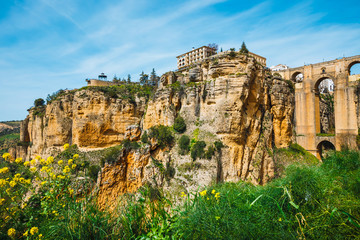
[[279, 67]]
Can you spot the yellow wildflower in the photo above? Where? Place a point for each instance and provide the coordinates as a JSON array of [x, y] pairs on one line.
[[2, 200], [33, 162], [50, 160], [8, 191], [66, 169], [203, 193], [183, 194], [217, 218], [61, 177], [40, 236], [22, 180], [2, 182], [213, 191], [34, 230], [76, 156], [280, 219], [66, 146], [217, 195], [38, 157], [18, 160], [6, 156], [42, 161], [60, 162], [4, 170], [44, 168], [12, 183], [73, 166], [71, 191], [25, 234], [11, 232], [28, 181], [70, 161], [27, 163], [44, 182], [33, 169]]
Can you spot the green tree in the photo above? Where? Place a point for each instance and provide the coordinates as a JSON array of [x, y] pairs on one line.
[[197, 150], [232, 52], [218, 145], [39, 102], [128, 78], [244, 48], [153, 78], [179, 125], [184, 144], [162, 134], [144, 78]]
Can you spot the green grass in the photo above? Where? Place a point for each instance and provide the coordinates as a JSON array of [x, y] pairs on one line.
[[325, 134], [10, 136], [309, 202]]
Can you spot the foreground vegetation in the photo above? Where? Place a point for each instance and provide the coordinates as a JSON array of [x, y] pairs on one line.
[[310, 202]]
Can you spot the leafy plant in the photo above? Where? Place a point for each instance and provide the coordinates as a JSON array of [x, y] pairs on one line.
[[197, 150], [179, 125], [184, 144], [162, 134]]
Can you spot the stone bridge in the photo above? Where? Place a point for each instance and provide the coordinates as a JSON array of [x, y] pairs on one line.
[[307, 106]]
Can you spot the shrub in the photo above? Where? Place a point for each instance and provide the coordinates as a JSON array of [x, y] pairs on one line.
[[218, 145], [197, 150], [184, 144], [179, 125], [210, 152], [93, 172], [111, 155], [162, 135], [232, 52], [144, 138], [129, 145], [39, 102]]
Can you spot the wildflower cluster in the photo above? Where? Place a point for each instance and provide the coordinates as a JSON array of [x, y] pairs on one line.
[[33, 190], [214, 194]]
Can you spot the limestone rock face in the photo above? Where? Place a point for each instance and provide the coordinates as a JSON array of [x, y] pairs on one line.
[[238, 104], [228, 98], [125, 176], [86, 118], [282, 109]]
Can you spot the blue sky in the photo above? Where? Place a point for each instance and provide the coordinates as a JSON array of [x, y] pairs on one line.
[[47, 45]]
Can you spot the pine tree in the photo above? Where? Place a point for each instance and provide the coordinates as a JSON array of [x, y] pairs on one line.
[[144, 78], [129, 78], [153, 78], [244, 48]]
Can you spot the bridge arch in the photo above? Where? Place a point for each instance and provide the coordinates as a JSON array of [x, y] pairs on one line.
[[351, 65], [323, 148], [324, 105], [297, 76]]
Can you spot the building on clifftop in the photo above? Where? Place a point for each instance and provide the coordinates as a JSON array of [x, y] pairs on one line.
[[101, 81], [194, 55]]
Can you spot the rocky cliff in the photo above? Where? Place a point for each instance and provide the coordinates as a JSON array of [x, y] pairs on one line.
[[232, 99], [90, 119]]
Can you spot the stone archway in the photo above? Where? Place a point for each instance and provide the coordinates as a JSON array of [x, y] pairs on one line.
[[350, 66], [323, 148], [297, 77], [324, 106]]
